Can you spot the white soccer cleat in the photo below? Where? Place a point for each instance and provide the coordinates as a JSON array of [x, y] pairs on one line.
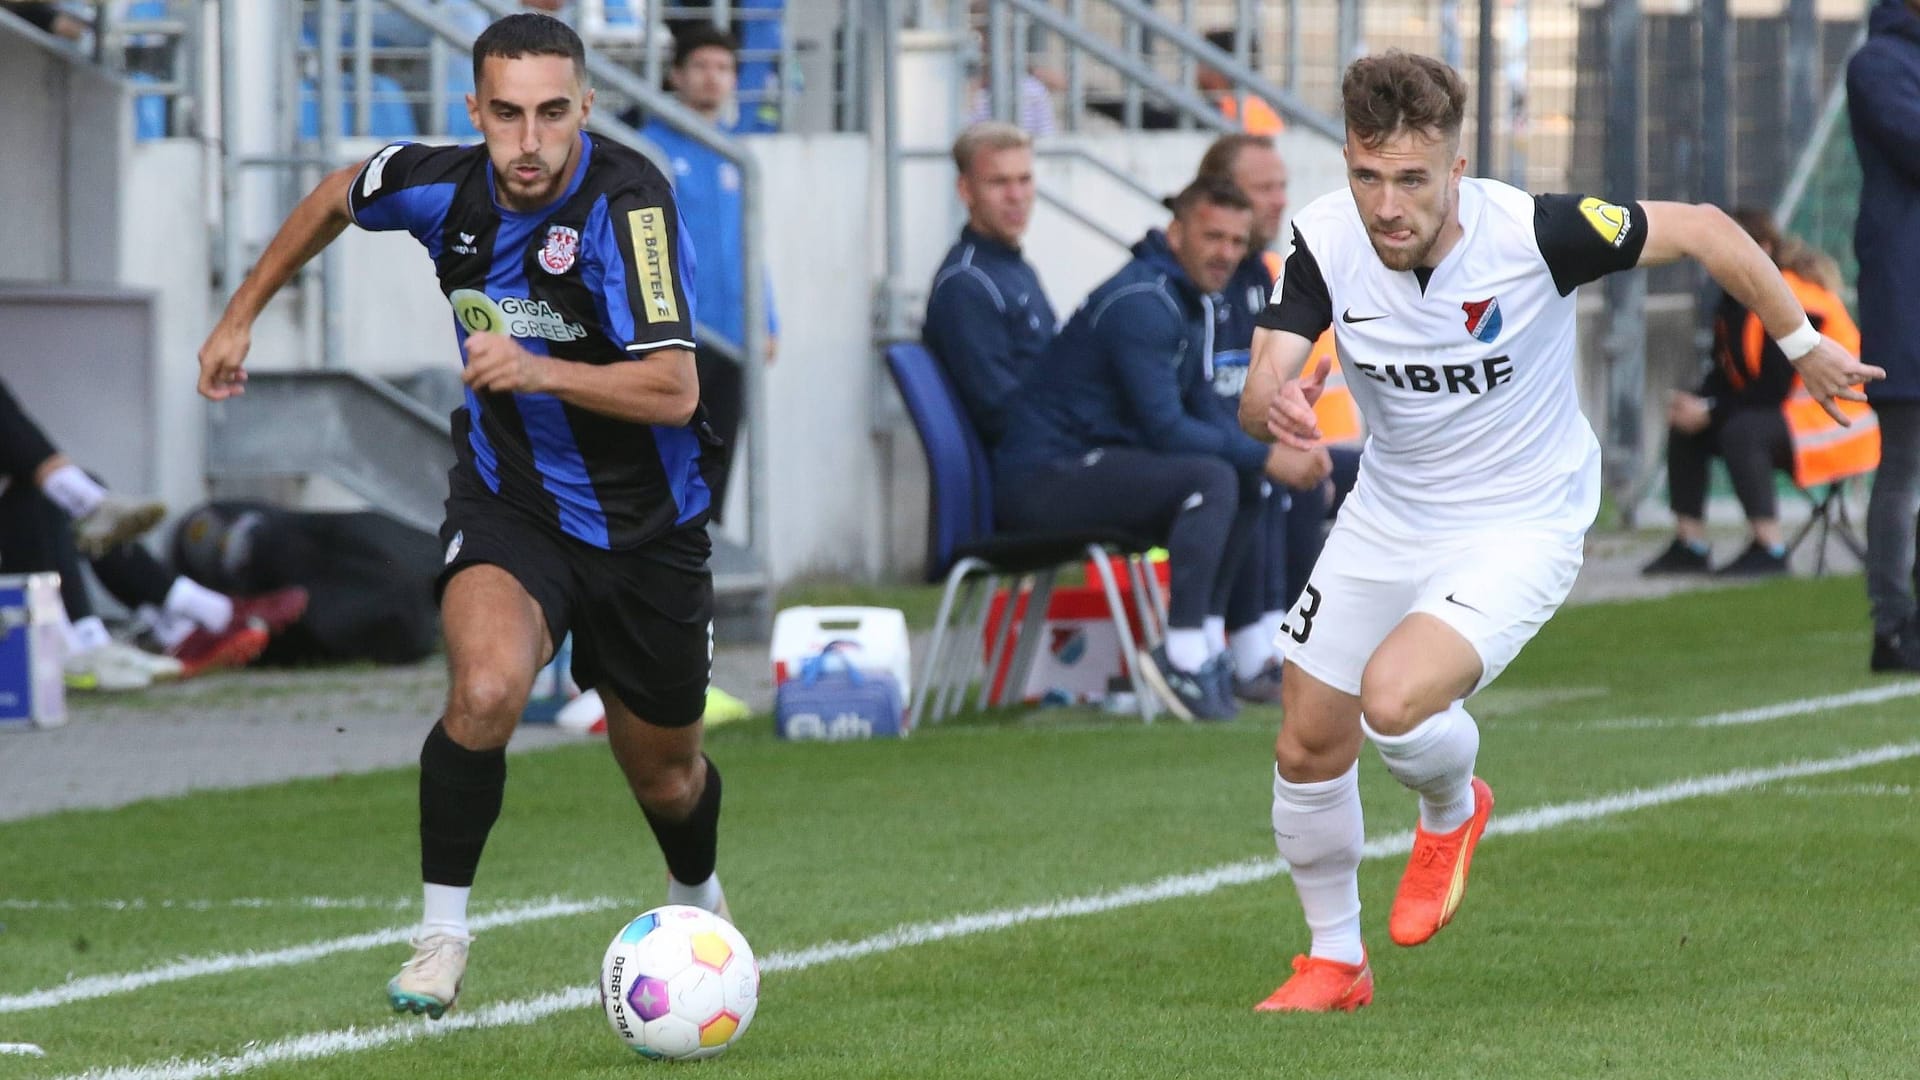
[[430, 982], [112, 668], [115, 521], [162, 668]]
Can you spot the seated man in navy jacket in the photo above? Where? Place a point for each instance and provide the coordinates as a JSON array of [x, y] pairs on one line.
[[1119, 426], [988, 320]]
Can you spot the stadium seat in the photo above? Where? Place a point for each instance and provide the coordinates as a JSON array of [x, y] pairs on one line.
[[964, 549], [149, 110], [1826, 459]]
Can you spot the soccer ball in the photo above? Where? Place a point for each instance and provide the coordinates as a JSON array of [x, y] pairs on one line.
[[679, 984]]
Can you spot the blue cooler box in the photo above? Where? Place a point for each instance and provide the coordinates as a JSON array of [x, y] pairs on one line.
[[33, 690]]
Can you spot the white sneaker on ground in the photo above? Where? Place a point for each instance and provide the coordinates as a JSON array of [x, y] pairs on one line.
[[112, 668], [430, 982], [161, 667], [114, 522]]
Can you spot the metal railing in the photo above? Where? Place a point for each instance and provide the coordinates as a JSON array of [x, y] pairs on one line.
[[1124, 39], [414, 71]]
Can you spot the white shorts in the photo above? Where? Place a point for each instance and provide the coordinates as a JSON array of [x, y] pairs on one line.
[[1497, 588]]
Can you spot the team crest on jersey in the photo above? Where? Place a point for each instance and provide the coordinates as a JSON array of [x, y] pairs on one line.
[[563, 244], [1483, 318]]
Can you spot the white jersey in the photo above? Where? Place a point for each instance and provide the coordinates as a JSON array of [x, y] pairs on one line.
[[1465, 375]]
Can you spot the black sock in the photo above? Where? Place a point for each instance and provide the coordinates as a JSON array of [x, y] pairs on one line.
[[460, 794], [691, 845]]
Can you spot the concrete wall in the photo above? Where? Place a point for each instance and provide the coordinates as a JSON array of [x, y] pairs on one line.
[[64, 129]]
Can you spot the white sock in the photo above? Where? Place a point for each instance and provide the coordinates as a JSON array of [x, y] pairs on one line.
[[1187, 648], [1252, 648], [1270, 626], [168, 630], [73, 491], [705, 895], [1319, 831], [1215, 627], [190, 599], [86, 635], [1435, 759], [446, 910]]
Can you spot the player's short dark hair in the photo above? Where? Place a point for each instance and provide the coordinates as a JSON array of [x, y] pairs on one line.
[[703, 36], [1401, 91], [1208, 191], [529, 33]]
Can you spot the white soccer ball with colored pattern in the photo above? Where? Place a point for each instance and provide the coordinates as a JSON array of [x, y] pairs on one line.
[[679, 984]]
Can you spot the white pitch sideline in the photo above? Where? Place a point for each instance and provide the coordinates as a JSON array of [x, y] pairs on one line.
[[99, 986], [324, 1044], [1758, 714]]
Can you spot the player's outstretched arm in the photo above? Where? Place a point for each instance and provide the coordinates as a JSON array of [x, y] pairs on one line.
[[1276, 404], [315, 223], [660, 387], [1707, 234]]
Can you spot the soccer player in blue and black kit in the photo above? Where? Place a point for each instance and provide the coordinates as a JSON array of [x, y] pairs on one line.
[[578, 502]]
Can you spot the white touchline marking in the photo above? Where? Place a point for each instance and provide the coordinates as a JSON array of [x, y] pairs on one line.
[[1756, 715], [22, 1049], [98, 986], [1898, 791], [251, 903], [527, 1010]]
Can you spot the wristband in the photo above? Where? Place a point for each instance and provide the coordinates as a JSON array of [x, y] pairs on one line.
[[1800, 342]]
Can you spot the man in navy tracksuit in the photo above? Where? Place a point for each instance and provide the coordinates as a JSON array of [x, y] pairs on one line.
[[988, 319], [1883, 103], [1119, 426], [1292, 529]]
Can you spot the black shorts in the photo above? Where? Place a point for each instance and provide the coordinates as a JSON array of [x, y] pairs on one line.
[[641, 619]]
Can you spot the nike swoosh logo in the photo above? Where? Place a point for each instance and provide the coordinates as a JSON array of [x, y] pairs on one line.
[[1348, 316], [1469, 607]]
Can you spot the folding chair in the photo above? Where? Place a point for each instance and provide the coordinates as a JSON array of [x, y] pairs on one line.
[[974, 560], [1827, 459]]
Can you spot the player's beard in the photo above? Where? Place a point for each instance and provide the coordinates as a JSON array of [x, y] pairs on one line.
[[1406, 258], [517, 196]]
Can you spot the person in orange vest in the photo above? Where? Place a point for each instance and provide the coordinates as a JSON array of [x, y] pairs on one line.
[[1254, 115], [1739, 414]]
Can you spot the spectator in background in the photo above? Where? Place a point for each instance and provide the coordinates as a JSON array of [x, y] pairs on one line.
[[1737, 413], [988, 319], [1254, 115], [1251, 112], [1883, 105], [707, 185], [1118, 427], [1293, 522], [48, 17], [758, 27]]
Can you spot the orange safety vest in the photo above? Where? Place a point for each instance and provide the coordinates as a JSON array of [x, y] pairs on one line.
[[1827, 312], [1259, 119], [1823, 451]]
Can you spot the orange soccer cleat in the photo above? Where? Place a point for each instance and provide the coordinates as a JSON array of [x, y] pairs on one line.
[[1436, 877], [1322, 985]]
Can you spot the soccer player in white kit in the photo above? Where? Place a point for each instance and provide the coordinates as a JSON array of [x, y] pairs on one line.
[[1455, 324]]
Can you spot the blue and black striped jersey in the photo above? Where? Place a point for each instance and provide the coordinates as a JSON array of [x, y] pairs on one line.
[[603, 275]]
